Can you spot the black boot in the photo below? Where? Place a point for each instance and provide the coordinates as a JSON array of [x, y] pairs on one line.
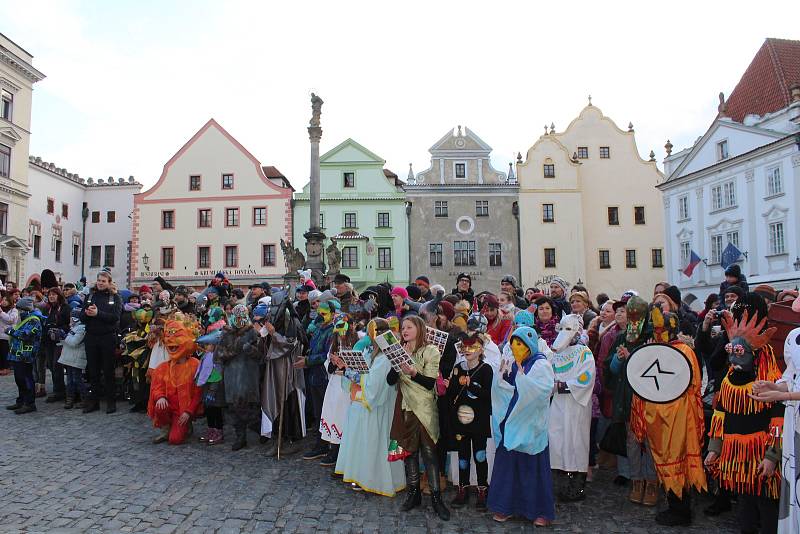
[[241, 438], [678, 512], [320, 450], [90, 405], [432, 468], [413, 495], [721, 504], [111, 406], [332, 456], [573, 488]]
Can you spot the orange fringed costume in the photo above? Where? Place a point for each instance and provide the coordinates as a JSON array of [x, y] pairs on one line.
[[174, 381], [748, 430], [675, 432]]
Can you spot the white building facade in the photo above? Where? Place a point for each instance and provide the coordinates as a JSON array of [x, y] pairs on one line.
[[214, 209], [60, 239], [17, 76], [738, 184]]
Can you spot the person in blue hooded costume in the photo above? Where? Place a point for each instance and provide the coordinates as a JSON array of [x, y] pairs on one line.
[[522, 483]]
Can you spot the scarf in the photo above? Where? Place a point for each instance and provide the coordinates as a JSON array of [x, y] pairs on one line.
[[547, 330]]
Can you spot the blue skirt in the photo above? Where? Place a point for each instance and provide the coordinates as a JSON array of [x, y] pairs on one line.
[[522, 485]]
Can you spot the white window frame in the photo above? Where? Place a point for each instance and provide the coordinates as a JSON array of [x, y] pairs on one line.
[[683, 208], [717, 247], [382, 264], [774, 181], [685, 252], [723, 149], [732, 237], [466, 171], [776, 236], [723, 195], [347, 249]]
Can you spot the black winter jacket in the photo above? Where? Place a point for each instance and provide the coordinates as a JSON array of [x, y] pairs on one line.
[[109, 309]]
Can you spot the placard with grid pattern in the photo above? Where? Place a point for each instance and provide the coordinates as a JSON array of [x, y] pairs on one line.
[[437, 338], [354, 360]]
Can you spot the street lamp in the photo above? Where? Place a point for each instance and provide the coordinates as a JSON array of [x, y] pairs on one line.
[[146, 262]]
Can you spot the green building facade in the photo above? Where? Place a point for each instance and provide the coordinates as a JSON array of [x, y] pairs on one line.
[[362, 207]]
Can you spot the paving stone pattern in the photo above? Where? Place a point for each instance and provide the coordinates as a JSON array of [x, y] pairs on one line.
[[62, 471]]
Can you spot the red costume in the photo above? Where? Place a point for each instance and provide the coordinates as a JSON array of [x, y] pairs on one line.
[[174, 381]]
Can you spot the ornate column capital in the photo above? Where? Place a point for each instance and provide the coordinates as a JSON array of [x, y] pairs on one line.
[[314, 134]]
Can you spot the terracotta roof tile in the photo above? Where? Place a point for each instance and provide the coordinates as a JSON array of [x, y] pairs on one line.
[[272, 172], [764, 86]]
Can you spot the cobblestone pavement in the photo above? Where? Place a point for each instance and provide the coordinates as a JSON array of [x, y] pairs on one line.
[[62, 471]]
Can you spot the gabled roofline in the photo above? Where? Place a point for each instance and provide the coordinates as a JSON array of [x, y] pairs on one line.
[[788, 140], [718, 122], [351, 142], [213, 123], [467, 133]]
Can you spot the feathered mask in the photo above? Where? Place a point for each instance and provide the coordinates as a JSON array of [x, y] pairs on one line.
[[746, 337]]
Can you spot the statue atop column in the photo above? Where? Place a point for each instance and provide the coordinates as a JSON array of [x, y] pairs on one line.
[[314, 236], [334, 257], [316, 111]]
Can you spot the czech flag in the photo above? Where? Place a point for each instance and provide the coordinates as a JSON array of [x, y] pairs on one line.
[[694, 261]]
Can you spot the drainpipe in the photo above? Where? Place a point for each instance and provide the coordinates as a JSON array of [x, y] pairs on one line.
[[84, 216], [515, 212], [408, 236]]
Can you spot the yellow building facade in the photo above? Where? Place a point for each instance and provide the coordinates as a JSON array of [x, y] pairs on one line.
[[589, 209]]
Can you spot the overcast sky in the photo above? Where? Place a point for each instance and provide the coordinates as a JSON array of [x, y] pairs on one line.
[[128, 82]]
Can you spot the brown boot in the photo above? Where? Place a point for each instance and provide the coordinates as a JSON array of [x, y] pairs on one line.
[[637, 492], [650, 493], [162, 436], [426, 489]]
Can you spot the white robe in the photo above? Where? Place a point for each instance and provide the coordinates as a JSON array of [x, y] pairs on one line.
[[571, 413], [789, 509], [334, 408]]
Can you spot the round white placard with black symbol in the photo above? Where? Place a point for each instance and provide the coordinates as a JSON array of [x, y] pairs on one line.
[[658, 373]]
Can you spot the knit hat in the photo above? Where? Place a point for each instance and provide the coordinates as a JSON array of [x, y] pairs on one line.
[[435, 288], [106, 271], [341, 279], [145, 289], [314, 295], [413, 292], [490, 301], [734, 270], [220, 275], [182, 290], [523, 318], [400, 291], [302, 289], [509, 278], [25, 304], [447, 309], [674, 295], [736, 290], [424, 280], [465, 276], [477, 323], [560, 282]]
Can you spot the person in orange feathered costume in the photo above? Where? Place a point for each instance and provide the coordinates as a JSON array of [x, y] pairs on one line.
[[674, 430], [174, 397]]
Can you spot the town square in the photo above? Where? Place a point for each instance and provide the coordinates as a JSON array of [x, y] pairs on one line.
[[357, 267]]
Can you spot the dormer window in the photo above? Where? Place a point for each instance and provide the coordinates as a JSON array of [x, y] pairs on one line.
[[461, 170], [722, 150], [349, 179], [549, 170]]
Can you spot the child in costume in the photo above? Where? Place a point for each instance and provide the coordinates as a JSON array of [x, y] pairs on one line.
[[674, 430], [745, 444], [362, 459], [239, 357], [469, 399], [415, 425], [787, 389], [334, 407], [73, 358], [522, 483], [174, 397], [209, 379], [138, 351], [25, 338], [571, 408], [315, 372]]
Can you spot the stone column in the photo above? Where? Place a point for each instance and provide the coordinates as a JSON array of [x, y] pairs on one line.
[[314, 237]]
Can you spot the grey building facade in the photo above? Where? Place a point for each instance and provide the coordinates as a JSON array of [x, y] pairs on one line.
[[463, 215]]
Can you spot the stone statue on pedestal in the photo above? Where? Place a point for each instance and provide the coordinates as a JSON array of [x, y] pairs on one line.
[[334, 257]]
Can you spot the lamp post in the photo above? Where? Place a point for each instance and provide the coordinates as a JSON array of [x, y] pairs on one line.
[[146, 262]]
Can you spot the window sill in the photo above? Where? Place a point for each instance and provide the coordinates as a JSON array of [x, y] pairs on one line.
[[657, 267], [551, 221], [776, 195], [383, 227], [605, 267], [687, 219], [720, 210], [384, 269], [777, 255]]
